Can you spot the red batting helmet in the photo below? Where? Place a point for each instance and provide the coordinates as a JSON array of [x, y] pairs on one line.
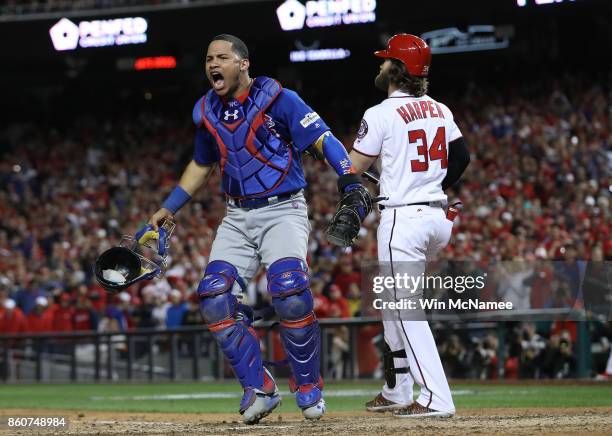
[[411, 50]]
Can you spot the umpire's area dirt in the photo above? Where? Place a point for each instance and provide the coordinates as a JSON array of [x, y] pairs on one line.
[[596, 420]]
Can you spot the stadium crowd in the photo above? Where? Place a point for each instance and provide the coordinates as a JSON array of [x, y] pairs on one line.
[[538, 188]]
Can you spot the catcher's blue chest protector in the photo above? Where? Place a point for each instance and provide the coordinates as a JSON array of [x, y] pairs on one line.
[[253, 160]]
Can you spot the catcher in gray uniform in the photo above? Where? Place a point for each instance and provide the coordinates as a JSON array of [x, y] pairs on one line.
[[256, 132]]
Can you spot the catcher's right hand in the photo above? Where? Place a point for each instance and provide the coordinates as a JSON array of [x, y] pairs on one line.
[[159, 217], [355, 205]]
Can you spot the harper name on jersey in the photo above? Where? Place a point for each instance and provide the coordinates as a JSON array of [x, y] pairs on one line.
[[411, 136], [420, 109]]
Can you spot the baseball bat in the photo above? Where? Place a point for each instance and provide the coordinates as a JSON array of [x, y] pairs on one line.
[[371, 177]]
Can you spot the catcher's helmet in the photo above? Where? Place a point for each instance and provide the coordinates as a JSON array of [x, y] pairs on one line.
[[120, 267], [411, 50], [119, 260]]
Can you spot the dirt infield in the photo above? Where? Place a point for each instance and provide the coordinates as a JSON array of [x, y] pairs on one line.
[[596, 420]]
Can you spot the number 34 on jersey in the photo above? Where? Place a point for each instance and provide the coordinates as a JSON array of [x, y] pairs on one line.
[[411, 137]]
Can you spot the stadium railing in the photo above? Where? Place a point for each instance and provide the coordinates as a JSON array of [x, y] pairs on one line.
[[190, 353]]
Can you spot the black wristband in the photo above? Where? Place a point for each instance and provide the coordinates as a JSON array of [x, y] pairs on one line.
[[348, 179]]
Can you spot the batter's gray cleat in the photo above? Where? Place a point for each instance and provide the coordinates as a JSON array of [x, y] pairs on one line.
[[415, 410], [381, 404]]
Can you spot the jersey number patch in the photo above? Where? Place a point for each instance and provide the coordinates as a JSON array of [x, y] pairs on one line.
[[437, 150]]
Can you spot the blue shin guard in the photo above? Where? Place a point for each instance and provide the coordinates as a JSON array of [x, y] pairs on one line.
[[229, 322], [289, 286]]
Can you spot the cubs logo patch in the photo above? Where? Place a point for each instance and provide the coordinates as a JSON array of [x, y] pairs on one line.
[[363, 129]]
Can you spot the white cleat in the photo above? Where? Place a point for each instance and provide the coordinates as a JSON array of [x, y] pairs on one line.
[[263, 404], [315, 412], [256, 404]]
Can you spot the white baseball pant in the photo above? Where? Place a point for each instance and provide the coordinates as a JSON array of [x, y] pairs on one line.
[[414, 234]]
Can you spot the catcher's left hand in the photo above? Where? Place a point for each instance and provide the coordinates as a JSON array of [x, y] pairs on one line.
[[354, 206]]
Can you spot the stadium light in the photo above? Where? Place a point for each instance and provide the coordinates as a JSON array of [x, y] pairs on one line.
[[155, 63]]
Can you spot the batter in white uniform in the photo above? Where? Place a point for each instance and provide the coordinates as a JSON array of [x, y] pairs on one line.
[[422, 153]]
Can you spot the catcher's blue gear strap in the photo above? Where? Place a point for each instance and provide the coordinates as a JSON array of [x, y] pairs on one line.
[[148, 232], [230, 322], [288, 285]]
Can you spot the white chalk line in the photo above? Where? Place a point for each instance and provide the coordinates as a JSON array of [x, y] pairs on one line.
[[225, 395]]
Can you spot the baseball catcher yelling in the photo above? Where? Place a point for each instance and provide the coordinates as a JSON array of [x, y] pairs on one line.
[[255, 131]]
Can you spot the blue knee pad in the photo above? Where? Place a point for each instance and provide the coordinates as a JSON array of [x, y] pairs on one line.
[[230, 327], [288, 285]]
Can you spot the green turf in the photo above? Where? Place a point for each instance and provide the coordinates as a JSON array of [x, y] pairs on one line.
[[122, 396]]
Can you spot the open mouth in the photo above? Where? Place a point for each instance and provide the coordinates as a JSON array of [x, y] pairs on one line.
[[217, 79]]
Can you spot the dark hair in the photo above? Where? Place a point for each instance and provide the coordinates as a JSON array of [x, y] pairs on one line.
[[238, 46], [398, 75]]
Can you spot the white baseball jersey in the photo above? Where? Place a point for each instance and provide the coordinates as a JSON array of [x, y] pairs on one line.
[[411, 136]]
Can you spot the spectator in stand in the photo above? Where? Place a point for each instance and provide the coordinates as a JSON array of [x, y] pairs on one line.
[[485, 359], [338, 305], [176, 310], [564, 362], [192, 315], [560, 297], [354, 300], [85, 317], [62, 314], [4, 294], [143, 313], [160, 310], [454, 357], [12, 319], [532, 345], [340, 352], [345, 274], [39, 319], [121, 311], [320, 301], [98, 298], [26, 297]]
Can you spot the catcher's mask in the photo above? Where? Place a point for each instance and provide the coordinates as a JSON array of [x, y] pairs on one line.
[[120, 267]]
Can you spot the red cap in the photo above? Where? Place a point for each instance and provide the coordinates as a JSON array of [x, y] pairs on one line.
[[411, 50]]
